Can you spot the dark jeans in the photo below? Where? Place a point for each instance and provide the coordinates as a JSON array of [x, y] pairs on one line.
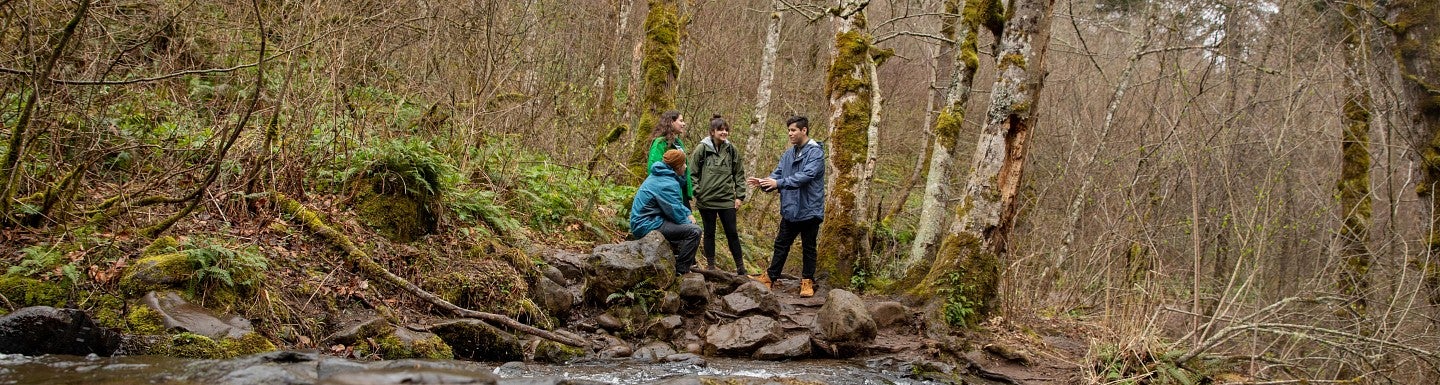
[[732, 236], [808, 230], [683, 240]]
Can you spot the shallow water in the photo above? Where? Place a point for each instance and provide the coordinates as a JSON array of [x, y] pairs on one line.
[[50, 369]]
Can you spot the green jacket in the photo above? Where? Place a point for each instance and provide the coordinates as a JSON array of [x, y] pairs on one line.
[[657, 154], [718, 174]]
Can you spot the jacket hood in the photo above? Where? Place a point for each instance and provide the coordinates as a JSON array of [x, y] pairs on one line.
[[709, 144], [662, 169]]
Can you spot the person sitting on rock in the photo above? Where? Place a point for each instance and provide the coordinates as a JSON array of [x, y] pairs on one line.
[[659, 205]]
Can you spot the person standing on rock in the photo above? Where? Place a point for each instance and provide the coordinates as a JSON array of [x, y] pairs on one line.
[[800, 178], [667, 137], [658, 205], [719, 181]]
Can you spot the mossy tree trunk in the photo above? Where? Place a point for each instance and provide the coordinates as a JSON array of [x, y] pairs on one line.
[[1354, 183], [756, 139], [962, 285], [845, 232], [1416, 26], [935, 207], [660, 67]]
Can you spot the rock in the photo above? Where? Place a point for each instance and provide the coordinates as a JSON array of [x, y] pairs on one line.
[[157, 272], [694, 292], [512, 369], [570, 265], [397, 343], [652, 352], [843, 324], [410, 376], [664, 328], [47, 330], [357, 327], [476, 340], [610, 322], [794, 346], [686, 359], [284, 367], [553, 352], [741, 337], [1019, 356], [623, 267], [751, 298], [554, 274], [553, 297], [620, 350], [670, 303], [178, 314], [888, 313]]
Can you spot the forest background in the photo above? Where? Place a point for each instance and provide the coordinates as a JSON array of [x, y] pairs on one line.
[[1249, 179]]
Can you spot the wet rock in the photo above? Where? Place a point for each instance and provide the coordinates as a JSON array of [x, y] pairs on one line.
[[751, 298], [547, 381], [476, 340], [554, 274], [157, 272], [670, 303], [843, 324], [357, 327], [794, 346], [548, 351], [664, 328], [512, 369], [329, 366], [410, 376], [284, 367], [652, 352], [741, 337], [178, 314], [686, 359], [620, 350], [622, 267], [888, 313], [570, 265], [47, 330], [694, 292], [553, 297], [610, 322]]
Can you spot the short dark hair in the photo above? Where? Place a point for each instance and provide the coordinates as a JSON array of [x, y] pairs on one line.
[[799, 121]]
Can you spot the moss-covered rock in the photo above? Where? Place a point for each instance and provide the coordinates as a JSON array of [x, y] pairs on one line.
[[158, 272], [248, 344], [161, 245], [486, 285], [399, 216], [26, 291], [404, 343], [145, 321], [556, 353]]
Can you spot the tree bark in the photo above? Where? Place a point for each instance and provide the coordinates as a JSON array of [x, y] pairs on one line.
[[660, 67], [850, 86], [1416, 26], [1354, 183], [756, 140], [962, 286]]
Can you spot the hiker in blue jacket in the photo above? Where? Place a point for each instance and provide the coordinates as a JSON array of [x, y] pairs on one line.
[[800, 178], [659, 205]]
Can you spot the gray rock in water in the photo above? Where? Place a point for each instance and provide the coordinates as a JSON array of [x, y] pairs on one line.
[[623, 267], [686, 359], [477, 340], [843, 326], [47, 330], [280, 367], [664, 328], [795, 346], [887, 314], [741, 337], [410, 376], [751, 298], [652, 352], [178, 314]]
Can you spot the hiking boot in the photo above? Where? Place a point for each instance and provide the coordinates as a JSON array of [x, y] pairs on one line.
[[764, 280], [807, 288]]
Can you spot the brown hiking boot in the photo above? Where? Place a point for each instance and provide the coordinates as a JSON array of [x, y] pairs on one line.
[[765, 280], [807, 288]]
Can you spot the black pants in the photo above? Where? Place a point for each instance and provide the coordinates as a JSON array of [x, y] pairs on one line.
[[732, 236], [808, 230], [683, 239]]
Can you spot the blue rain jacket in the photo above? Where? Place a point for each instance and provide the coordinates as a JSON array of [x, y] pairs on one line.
[[657, 200], [800, 177]]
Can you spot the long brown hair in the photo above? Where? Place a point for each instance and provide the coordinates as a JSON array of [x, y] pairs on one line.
[[666, 127]]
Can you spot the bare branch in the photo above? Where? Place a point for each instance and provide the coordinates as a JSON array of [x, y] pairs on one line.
[[893, 35]]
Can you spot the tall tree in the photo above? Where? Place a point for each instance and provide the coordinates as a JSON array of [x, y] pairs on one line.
[[962, 284], [933, 210], [660, 67], [762, 91], [850, 87], [1416, 26], [1354, 183]]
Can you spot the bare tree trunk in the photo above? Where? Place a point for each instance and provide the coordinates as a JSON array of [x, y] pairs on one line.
[[936, 207], [962, 286], [659, 67], [1354, 183], [1416, 25], [605, 115], [756, 140], [850, 86]]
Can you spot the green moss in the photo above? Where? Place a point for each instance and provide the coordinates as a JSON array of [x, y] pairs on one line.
[[164, 271], [248, 344], [400, 217], [964, 268], [556, 353], [1012, 60], [391, 347], [107, 310], [162, 245], [191, 345], [146, 321], [486, 285], [26, 291], [659, 67]]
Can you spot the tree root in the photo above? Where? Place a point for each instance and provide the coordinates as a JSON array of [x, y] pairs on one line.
[[374, 271]]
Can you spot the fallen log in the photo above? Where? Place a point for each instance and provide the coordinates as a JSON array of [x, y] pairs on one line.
[[374, 271]]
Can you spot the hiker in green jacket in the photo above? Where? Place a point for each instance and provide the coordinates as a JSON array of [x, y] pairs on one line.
[[719, 178], [667, 137]]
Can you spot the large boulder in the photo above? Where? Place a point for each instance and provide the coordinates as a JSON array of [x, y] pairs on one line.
[[794, 346], [176, 313], [476, 340], [47, 330], [624, 267], [843, 325], [751, 298], [157, 272], [741, 337]]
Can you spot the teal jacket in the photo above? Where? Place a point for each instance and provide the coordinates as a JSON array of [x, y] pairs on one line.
[[658, 147], [657, 201]]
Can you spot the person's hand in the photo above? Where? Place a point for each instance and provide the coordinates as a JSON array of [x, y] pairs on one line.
[[752, 181], [768, 184], [737, 203]]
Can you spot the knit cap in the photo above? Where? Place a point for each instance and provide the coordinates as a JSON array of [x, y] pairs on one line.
[[675, 159]]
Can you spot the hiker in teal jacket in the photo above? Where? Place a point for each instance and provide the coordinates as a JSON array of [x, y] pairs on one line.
[[657, 206], [719, 178], [667, 137]]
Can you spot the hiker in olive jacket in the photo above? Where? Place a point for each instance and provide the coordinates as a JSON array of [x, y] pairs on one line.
[[719, 179]]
